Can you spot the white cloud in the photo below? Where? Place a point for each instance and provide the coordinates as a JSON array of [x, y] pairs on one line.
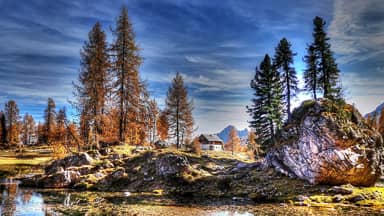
[[213, 116], [356, 29], [200, 60], [222, 80], [365, 92]]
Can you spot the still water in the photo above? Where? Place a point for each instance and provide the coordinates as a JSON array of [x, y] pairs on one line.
[[16, 200]]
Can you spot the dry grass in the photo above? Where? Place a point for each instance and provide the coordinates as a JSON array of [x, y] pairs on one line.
[[28, 161]]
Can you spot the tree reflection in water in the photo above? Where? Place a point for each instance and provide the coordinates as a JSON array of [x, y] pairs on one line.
[[16, 201]]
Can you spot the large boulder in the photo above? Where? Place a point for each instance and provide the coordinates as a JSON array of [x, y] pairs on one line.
[[326, 142]]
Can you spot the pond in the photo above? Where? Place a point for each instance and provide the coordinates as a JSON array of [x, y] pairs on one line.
[[16, 200]]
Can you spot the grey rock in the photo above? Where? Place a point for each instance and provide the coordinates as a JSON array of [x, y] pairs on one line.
[[340, 190], [301, 198], [321, 154], [171, 165], [60, 180], [69, 161], [356, 198], [337, 198]]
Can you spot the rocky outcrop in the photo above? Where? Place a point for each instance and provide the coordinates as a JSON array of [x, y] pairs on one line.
[[64, 173], [62, 179], [328, 143], [171, 165], [70, 161]]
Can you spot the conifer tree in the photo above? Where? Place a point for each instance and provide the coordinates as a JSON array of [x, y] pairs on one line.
[[40, 133], [328, 71], [233, 143], [61, 126], [311, 72], [50, 121], [126, 62], [252, 145], [12, 122], [93, 82], [152, 115], [3, 128], [283, 62], [162, 125], [267, 104], [179, 111]]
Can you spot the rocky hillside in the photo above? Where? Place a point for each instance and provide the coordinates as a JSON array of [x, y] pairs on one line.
[[162, 174], [328, 143], [323, 144], [168, 172]]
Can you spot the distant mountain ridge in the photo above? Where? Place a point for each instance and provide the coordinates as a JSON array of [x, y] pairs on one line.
[[224, 134], [376, 112]]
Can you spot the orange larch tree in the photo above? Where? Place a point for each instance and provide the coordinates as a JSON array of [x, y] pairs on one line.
[[93, 85], [179, 111], [128, 88], [233, 143], [162, 126]]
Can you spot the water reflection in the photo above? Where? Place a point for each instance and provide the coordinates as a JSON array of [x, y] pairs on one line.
[[19, 201], [16, 200], [228, 213]]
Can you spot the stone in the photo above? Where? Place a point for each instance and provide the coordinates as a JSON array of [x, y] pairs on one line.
[[341, 190], [321, 152], [301, 198], [60, 180], [114, 157], [170, 165], [83, 170], [120, 172], [356, 198], [108, 180], [337, 198], [69, 161]]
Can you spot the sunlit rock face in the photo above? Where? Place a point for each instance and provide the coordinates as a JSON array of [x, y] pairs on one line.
[[328, 143]]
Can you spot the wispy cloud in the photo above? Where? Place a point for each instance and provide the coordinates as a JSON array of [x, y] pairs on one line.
[[357, 36], [216, 45], [357, 29]]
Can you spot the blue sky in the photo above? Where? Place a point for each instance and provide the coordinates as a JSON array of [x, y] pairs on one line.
[[216, 45]]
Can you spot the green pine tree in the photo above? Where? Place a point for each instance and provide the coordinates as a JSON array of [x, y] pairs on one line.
[[267, 105], [311, 72], [327, 67], [283, 62]]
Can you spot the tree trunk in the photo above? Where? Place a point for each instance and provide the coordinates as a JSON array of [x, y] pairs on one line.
[[177, 125]]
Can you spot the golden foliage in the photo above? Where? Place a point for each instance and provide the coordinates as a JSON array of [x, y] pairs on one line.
[[162, 126], [233, 143], [196, 146], [59, 150]]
